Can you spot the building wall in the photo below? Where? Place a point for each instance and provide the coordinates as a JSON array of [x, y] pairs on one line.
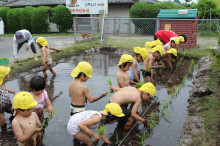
[[118, 11]]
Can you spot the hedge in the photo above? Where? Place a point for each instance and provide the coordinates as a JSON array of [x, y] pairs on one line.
[[25, 18], [40, 20], [62, 18], [13, 20]]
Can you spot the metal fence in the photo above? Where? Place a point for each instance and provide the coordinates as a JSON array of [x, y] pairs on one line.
[[201, 32]]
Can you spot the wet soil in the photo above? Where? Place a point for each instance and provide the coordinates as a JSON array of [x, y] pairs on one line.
[[166, 132]]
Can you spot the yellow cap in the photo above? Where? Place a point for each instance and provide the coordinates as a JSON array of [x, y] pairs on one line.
[[148, 87], [42, 41], [126, 58], [113, 109], [157, 42], [173, 51], [148, 45], [158, 48], [176, 40], [24, 100], [142, 51], [181, 39], [84, 67], [4, 71]]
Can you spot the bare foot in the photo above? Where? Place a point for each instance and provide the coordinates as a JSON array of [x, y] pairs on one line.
[[16, 60]]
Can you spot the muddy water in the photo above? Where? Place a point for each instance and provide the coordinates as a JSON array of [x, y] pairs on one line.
[[104, 67]]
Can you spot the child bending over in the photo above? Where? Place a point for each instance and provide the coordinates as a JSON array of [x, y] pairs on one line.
[[37, 87], [47, 60], [156, 54], [174, 42], [170, 58], [78, 92], [26, 124]]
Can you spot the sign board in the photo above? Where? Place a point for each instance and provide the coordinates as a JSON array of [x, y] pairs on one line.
[[87, 6], [181, 12]]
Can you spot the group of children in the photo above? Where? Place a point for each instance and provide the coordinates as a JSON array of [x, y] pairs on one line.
[[28, 107]]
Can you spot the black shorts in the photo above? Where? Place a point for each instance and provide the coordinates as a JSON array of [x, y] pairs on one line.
[[146, 73]]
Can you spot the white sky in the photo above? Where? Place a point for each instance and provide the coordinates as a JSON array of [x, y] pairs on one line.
[[182, 1]]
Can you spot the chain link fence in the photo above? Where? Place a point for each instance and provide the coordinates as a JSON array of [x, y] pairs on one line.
[[201, 33]]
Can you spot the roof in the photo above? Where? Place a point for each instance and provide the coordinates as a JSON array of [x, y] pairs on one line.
[[177, 13], [22, 3]]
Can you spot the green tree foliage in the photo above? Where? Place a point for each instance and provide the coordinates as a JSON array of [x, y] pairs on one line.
[[204, 9], [40, 20], [25, 19], [3, 14], [62, 18], [13, 20]]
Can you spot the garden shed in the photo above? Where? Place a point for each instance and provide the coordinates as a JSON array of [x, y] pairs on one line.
[[180, 21]]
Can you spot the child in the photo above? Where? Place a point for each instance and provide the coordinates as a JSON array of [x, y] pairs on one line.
[[134, 96], [172, 44], [170, 57], [47, 60], [5, 102], [134, 71], [37, 87], [26, 123], [156, 54], [79, 125], [79, 92]]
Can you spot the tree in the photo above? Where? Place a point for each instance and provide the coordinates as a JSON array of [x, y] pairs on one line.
[[207, 7], [25, 19]]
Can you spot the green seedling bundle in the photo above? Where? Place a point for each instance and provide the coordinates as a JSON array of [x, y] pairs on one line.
[[139, 84], [109, 81], [102, 130]]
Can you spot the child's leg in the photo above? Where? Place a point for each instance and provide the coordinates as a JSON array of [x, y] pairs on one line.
[[51, 70], [2, 121], [44, 70], [84, 138]]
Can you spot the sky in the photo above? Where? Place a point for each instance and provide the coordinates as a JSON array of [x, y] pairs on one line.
[[182, 1]]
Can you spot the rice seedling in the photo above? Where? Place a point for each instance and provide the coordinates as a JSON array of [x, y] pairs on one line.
[[152, 118], [144, 137], [191, 65], [170, 100], [109, 81], [139, 84], [168, 114], [102, 130], [117, 139], [44, 123]]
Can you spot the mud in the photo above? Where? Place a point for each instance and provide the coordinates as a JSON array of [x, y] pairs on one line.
[[193, 124]]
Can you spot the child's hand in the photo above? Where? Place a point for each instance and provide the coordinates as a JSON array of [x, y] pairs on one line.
[[97, 137], [111, 88], [104, 94], [146, 123], [142, 69], [38, 129]]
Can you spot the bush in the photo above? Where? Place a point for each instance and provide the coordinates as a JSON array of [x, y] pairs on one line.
[[3, 14], [39, 20], [204, 9], [13, 20], [25, 18], [62, 18]]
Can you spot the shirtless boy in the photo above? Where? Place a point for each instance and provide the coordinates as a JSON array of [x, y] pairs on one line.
[[128, 95], [79, 92], [170, 58], [26, 123], [155, 55]]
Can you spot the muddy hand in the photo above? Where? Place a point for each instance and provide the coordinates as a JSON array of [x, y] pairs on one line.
[[27, 47], [39, 129], [97, 137], [146, 123]]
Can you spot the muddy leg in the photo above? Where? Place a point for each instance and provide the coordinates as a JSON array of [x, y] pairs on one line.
[[52, 71], [44, 70], [3, 121], [84, 138]]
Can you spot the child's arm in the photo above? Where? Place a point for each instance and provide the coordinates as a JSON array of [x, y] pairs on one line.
[[132, 82], [90, 98], [11, 91], [114, 88], [120, 81], [134, 66], [54, 49], [92, 121], [151, 64], [105, 139], [19, 132], [49, 106]]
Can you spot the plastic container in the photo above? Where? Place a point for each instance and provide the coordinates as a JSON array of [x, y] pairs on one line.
[[4, 61]]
